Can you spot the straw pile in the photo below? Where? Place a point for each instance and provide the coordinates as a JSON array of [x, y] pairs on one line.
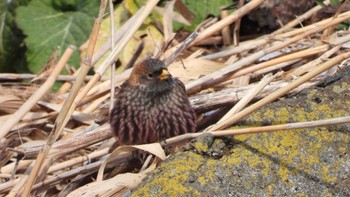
[[54, 143]]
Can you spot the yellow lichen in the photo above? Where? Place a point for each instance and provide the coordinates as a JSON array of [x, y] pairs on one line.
[[297, 151], [337, 89], [171, 183], [284, 173], [202, 180], [200, 147], [311, 93], [210, 174], [270, 189], [283, 115], [270, 114]]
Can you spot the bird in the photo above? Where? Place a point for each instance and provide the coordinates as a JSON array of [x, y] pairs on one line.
[[151, 106]]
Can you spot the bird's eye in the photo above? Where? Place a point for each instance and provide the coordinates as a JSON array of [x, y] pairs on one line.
[[150, 75]]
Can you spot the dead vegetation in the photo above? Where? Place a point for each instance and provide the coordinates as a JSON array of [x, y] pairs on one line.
[[58, 143]]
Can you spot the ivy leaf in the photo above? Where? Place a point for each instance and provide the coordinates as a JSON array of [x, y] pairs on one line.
[[10, 36], [47, 27], [202, 9]]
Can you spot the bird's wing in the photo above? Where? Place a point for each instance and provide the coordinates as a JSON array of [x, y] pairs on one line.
[[181, 85]]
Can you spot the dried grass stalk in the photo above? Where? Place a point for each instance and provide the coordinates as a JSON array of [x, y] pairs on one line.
[[225, 73], [228, 20], [225, 121], [289, 126], [63, 116], [27, 106], [81, 136], [279, 93]]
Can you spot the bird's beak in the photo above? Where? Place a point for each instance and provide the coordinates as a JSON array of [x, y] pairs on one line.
[[164, 74]]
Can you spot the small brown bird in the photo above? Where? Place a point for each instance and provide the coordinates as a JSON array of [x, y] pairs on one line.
[[151, 106]]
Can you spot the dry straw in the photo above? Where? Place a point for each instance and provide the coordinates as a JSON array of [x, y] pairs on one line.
[[210, 77]]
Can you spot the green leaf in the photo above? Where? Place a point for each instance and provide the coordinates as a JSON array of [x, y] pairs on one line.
[[335, 2], [202, 9], [46, 28], [10, 36]]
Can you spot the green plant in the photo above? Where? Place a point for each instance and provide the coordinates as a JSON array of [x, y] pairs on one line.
[[11, 37], [51, 23]]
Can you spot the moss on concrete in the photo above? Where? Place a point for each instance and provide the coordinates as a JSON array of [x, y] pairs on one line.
[[312, 162]]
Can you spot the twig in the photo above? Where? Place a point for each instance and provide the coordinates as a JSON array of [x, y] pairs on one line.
[[274, 67], [228, 20], [118, 35], [118, 160], [225, 121], [301, 18], [168, 20], [23, 164], [318, 70], [18, 115], [21, 181], [282, 59], [213, 100], [258, 43], [111, 16], [82, 139], [145, 11], [237, 26], [54, 168], [330, 30], [5, 187], [226, 31], [67, 85], [64, 147], [77, 160], [289, 126], [95, 104], [306, 67], [312, 26], [64, 115], [226, 72], [171, 141], [24, 76], [182, 47]]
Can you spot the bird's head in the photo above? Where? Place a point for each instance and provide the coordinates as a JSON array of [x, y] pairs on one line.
[[151, 75]]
